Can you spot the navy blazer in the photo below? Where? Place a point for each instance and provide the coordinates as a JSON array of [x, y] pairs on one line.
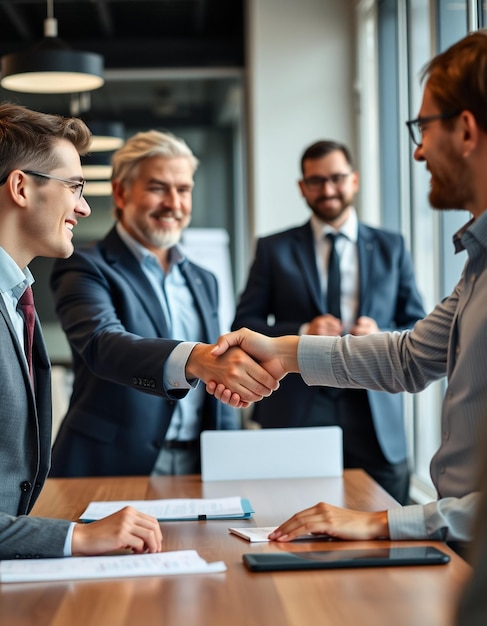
[[118, 337], [283, 292]]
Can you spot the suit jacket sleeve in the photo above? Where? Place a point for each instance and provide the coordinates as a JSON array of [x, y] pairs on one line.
[[85, 305], [31, 537]]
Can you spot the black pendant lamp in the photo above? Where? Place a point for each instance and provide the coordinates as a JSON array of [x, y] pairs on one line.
[[51, 66], [107, 135]]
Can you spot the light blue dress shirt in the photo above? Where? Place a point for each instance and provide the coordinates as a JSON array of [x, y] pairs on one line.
[[13, 283], [180, 312]]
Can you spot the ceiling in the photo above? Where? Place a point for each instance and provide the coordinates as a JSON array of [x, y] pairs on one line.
[[167, 62]]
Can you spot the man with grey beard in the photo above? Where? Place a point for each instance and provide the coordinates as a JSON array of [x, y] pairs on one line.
[[135, 311]]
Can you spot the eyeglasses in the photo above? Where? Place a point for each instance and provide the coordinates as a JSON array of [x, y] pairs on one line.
[[315, 183], [416, 127], [76, 186]]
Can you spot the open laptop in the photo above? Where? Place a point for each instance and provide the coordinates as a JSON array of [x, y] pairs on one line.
[[271, 453]]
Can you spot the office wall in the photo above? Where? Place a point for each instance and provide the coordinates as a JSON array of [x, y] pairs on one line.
[[300, 64]]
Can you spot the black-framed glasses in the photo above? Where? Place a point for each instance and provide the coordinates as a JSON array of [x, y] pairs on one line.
[[416, 126], [76, 185], [315, 183]]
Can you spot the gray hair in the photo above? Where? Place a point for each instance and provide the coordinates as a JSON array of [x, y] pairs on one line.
[[126, 160]]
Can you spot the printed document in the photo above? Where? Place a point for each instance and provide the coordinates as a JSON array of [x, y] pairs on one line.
[[176, 509], [127, 565]]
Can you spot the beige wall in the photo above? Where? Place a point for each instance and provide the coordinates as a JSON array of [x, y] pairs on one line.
[[300, 63]]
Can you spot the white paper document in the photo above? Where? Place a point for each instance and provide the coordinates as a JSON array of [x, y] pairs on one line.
[[128, 565], [261, 534], [253, 534], [176, 509]]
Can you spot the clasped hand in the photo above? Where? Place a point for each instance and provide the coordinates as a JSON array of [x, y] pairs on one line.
[[271, 357]]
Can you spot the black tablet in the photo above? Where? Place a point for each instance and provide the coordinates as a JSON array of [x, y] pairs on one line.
[[332, 559]]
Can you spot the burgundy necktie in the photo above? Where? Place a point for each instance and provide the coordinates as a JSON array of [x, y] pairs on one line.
[[26, 305]]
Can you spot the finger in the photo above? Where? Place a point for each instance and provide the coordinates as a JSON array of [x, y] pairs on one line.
[[248, 388], [228, 397], [220, 392], [288, 532], [225, 342], [137, 530], [148, 531], [224, 394], [211, 387], [297, 521], [264, 383]]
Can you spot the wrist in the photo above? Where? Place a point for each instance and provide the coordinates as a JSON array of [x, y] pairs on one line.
[[379, 525], [77, 543], [193, 364], [289, 353]]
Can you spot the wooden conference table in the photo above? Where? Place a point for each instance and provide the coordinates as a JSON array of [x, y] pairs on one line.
[[400, 596]]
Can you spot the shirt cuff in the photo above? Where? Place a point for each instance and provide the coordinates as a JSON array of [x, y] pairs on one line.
[[315, 360], [407, 522], [174, 371], [68, 550]]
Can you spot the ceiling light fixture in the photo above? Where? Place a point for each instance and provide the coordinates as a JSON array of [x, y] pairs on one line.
[[106, 136], [96, 166], [94, 188], [51, 66]]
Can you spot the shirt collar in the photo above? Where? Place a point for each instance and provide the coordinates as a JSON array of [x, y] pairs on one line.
[[13, 280], [472, 236], [349, 229]]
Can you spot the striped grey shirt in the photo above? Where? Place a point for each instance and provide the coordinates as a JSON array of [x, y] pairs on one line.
[[451, 341]]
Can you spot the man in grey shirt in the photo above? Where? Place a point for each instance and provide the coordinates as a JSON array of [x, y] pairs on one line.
[[451, 137]]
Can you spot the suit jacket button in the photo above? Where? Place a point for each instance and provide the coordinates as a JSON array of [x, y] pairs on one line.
[[25, 486]]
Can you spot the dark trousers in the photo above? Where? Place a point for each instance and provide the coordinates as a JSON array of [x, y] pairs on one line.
[[349, 409], [177, 462]]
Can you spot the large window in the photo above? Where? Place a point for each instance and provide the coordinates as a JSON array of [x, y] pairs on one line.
[[409, 33]]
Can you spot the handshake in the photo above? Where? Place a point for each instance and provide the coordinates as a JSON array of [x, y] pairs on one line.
[[243, 366]]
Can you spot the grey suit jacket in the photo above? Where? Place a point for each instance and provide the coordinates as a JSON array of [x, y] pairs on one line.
[[284, 283], [120, 341], [25, 448]]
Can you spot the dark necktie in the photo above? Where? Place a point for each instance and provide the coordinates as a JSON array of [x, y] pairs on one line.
[[333, 294], [26, 305]]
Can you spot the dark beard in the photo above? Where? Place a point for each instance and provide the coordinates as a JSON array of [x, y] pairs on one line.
[[450, 194]]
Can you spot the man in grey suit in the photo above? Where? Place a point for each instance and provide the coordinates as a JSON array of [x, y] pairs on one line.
[[289, 283], [450, 135], [41, 187], [126, 304]]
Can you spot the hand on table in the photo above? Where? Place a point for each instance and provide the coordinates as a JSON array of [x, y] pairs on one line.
[[127, 529], [325, 519]]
